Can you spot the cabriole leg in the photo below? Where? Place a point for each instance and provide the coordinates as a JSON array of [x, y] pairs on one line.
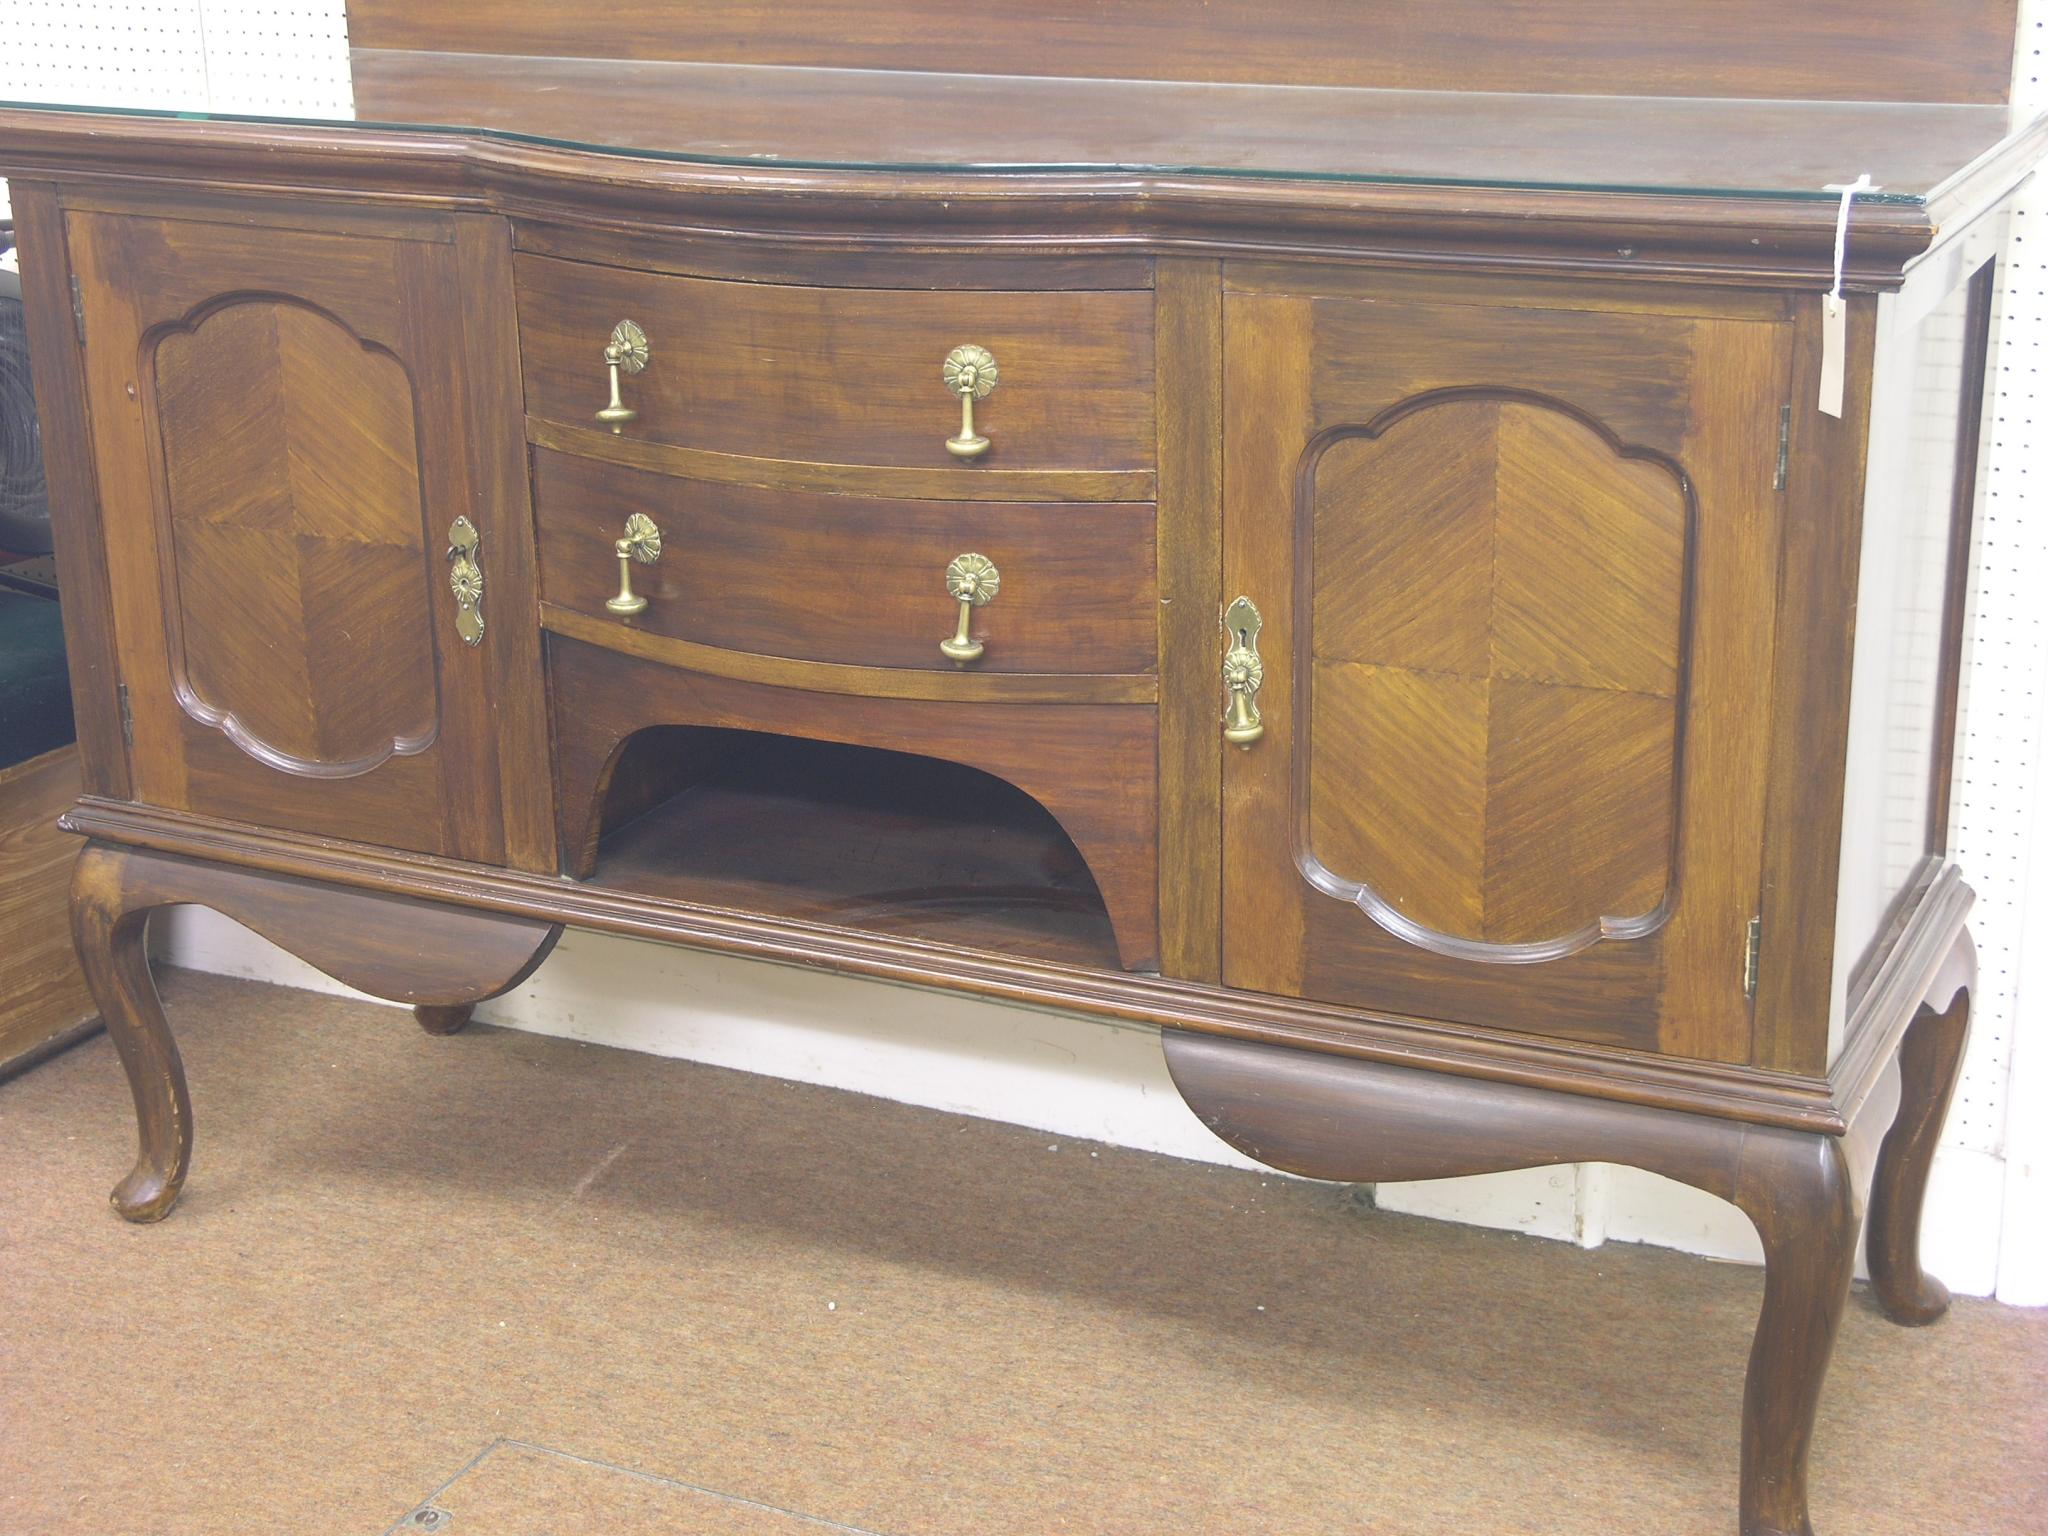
[[439, 958], [1332, 1117], [1798, 1191], [108, 933], [1930, 1060]]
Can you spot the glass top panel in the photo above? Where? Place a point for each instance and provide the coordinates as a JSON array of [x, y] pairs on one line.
[[860, 119]]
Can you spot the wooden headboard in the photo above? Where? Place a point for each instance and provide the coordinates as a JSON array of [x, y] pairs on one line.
[[1853, 50]]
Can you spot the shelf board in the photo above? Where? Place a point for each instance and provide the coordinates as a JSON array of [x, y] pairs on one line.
[[874, 842]]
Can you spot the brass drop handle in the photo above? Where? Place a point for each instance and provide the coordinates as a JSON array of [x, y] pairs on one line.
[[627, 349], [970, 373], [642, 543], [1243, 672], [466, 580], [972, 581]]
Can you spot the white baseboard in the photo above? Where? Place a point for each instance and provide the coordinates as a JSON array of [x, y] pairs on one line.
[[1059, 1073]]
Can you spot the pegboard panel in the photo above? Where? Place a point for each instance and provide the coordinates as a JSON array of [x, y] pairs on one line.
[[148, 53], [218, 55], [2000, 786], [289, 60]]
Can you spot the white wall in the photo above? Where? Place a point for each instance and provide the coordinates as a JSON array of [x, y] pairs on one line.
[[1988, 1221]]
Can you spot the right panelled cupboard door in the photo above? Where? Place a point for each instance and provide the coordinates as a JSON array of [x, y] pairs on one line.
[[1509, 570]]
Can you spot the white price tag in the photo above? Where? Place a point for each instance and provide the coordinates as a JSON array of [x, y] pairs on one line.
[[1834, 351], [1834, 314]]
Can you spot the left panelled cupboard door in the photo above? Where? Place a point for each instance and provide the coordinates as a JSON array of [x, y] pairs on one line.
[[313, 503]]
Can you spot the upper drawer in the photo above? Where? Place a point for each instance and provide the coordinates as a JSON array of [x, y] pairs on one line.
[[844, 375]]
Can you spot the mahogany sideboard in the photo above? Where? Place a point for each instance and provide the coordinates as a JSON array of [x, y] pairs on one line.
[[1339, 541]]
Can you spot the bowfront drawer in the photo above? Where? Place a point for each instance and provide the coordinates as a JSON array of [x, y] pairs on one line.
[[844, 376], [863, 581]]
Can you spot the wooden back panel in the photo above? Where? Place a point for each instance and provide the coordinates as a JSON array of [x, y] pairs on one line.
[[1845, 50]]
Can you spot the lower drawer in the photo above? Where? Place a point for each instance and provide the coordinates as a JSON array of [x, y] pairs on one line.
[[855, 580]]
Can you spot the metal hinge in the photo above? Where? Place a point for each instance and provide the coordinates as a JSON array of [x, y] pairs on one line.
[[1784, 447], [78, 308], [127, 714], [1749, 957]]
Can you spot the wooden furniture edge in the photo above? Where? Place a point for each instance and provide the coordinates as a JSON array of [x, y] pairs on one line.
[[1644, 235], [1107, 486], [1991, 177], [1724, 1091], [1818, 575], [842, 677], [59, 380], [44, 1002], [1894, 988]]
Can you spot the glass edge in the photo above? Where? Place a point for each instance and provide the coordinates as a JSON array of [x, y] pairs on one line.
[[991, 169]]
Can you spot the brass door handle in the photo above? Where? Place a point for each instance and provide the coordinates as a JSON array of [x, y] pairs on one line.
[[970, 373], [1243, 672], [627, 349], [972, 581], [466, 580], [641, 544]]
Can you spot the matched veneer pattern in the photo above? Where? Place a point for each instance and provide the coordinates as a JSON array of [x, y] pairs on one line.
[[839, 376], [290, 522], [1497, 615]]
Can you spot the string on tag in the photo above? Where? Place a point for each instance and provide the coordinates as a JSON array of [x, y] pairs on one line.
[[1834, 310]]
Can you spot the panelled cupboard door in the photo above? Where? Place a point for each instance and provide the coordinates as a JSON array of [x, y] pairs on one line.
[[1516, 568], [285, 432]]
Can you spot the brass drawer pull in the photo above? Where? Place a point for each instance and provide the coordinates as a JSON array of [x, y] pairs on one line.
[[642, 543], [466, 580], [972, 581], [970, 373], [1243, 672], [628, 350]]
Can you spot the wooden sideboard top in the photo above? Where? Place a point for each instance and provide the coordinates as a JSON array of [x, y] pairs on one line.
[[1661, 138], [873, 118]]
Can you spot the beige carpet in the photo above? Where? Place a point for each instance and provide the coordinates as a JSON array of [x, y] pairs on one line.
[[503, 1284]]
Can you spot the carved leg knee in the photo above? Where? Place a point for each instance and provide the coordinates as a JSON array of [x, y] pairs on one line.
[[107, 928], [1798, 1191], [442, 1020], [1930, 1060]]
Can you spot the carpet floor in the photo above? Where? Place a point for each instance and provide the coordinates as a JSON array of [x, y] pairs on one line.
[[498, 1283]]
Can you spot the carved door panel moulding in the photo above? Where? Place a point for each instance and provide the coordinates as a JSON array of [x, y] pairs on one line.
[[1492, 678], [299, 623]]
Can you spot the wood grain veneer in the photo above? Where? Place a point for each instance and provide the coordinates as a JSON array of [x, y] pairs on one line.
[[855, 580], [1829, 48], [1655, 237], [1092, 766], [835, 117], [880, 842], [43, 1000], [69, 473], [1469, 717], [1589, 1069], [313, 577], [843, 376]]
